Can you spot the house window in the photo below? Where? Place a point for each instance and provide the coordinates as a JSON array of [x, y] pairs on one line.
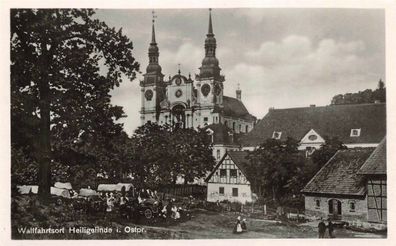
[[221, 190], [352, 206], [225, 123], [233, 126], [309, 151], [218, 154], [234, 191], [205, 119], [317, 203], [276, 135], [223, 172], [233, 173], [247, 129], [355, 132]]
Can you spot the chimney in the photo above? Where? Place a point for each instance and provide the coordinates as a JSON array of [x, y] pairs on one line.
[[239, 93]]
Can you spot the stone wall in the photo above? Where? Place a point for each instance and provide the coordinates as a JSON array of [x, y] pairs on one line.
[[347, 214]]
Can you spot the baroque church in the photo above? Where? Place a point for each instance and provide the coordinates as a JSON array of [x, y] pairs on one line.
[[183, 102]]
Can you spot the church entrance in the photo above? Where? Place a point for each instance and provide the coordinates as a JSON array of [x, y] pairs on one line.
[[179, 116]]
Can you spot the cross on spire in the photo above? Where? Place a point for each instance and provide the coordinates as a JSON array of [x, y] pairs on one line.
[[153, 30], [154, 16], [178, 66]]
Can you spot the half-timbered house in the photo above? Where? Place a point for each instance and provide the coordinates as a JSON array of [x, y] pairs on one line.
[[351, 186], [337, 191], [374, 171], [228, 180]]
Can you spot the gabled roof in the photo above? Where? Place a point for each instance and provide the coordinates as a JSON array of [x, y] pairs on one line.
[[239, 159], [235, 108], [331, 121], [376, 163], [339, 175]]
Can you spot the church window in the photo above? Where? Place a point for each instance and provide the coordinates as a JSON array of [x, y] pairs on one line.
[[218, 154], [276, 135], [355, 132], [178, 93]]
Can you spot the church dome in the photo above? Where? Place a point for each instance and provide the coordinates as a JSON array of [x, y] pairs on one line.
[[153, 68], [210, 61]]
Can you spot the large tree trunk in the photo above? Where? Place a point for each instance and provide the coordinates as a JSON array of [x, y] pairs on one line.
[[44, 174]]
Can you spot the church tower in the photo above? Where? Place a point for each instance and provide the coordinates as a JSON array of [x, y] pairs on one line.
[[209, 81], [152, 86]]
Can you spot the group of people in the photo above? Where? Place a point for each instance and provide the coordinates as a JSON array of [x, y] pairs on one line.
[[240, 226], [322, 228]]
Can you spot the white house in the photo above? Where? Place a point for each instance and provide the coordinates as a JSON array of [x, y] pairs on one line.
[[228, 180], [356, 125]]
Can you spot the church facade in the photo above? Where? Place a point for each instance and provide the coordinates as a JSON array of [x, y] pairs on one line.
[[183, 102]]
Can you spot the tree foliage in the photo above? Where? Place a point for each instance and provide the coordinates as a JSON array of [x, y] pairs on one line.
[[326, 151], [161, 154], [366, 96], [273, 167], [63, 65]]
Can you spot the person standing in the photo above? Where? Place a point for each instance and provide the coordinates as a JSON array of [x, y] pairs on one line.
[[321, 228], [330, 227], [243, 225], [238, 227]]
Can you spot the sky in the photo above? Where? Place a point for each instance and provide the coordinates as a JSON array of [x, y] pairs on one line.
[[281, 58]]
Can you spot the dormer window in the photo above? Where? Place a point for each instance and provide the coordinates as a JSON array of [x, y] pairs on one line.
[[276, 135], [355, 132]]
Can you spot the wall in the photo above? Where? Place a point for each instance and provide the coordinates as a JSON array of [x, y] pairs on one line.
[[360, 213], [244, 193], [238, 123]]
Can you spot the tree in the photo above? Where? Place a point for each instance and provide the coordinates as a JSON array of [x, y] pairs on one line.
[[161, 154], [273, 165], [326, 151], [63, 65], [366, 96]]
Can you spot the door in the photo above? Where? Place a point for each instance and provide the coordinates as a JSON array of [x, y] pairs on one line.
[[335, 209]]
